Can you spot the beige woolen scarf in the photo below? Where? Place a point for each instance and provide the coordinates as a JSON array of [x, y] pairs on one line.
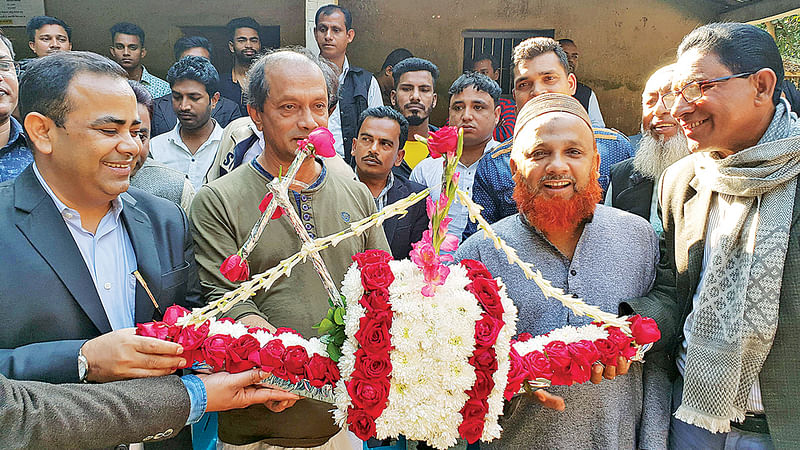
[[737, 311]]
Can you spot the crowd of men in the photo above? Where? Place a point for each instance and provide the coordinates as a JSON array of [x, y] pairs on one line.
[[117, 184]]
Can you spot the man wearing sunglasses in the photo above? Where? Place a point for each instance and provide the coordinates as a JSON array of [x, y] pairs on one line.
[[726, 294], [15, 155]]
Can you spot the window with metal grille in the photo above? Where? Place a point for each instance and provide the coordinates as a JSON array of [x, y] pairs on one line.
[[499, 44]]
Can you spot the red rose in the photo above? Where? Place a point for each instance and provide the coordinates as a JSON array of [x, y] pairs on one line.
[[373, 335], [538, 365], [158, 330], [524, 337], [271, 358], [376, 300], [443, 141], [322, 140], [475, 269], [373, 256], [483, 385], [360, 423], [283, 330], [584, 354], [560, 362], [373, 366], [516, 375], [265, 203], [486, 330], [486, 291], [191, 338], [318, 371], [608, 351], [644, 329], [294, 361], [173, 313], [622, 341], [234, 268], [474, 414], [376, 276], [333, 370], [484, 359], [215, 350], [369, 395], [238, 358]]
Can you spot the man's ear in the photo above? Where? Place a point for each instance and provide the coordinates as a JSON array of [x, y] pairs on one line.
[[230, 46], [388, 71], [70, 46], [33, 47], [351, 34], [764, 82], [214, 100], [38, 127], [573, 83], [144, 52], [399, 159], [255, 117], [110, 51], [512, 164], [435, 99], [496, 115], [393, 97]]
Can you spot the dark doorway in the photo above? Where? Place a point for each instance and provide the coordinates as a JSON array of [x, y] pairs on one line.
[[500, 44]]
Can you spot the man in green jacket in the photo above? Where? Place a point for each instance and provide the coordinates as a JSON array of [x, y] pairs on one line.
[[288, 99]]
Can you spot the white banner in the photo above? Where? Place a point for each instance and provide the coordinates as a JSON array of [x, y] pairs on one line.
[[16, 13]]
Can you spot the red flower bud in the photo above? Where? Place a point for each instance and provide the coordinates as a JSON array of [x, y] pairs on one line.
[[234, 268], [443, 141], [322, 140], [265, 203]]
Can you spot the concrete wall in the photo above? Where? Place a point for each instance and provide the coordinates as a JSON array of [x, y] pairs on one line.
[[160, 20], [621, 41]]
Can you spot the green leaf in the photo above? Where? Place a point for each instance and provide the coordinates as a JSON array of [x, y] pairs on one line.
[[339, 337], [325, 326], [334, 352], [330, 314], [338, 316]]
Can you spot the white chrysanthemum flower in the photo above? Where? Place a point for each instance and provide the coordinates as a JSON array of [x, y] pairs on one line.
[[233, 329]]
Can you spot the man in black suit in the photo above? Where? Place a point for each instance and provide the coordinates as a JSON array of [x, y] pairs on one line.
[[73, 239], [378, 148]]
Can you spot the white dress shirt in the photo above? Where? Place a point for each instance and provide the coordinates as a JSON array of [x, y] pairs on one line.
[[169, 149], [374, 98]]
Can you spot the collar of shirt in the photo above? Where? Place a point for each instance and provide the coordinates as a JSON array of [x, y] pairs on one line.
[[345, 69], [15, 134], [174, 136], [146, 77], [380, 200], [489, 147], [70, 214]]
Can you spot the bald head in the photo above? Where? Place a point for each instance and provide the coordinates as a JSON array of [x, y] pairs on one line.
[[286, 63], [661, 80]]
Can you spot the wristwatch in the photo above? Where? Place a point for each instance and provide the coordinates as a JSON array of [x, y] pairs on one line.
[[83, 366]]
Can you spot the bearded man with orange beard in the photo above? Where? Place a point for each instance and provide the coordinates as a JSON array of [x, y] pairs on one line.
[[601, 254]]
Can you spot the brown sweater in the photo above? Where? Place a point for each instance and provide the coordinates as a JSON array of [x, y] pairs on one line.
[[222, 215]]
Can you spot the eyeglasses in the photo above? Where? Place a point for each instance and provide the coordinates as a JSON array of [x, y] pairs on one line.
[[695, 90], [9, 67]]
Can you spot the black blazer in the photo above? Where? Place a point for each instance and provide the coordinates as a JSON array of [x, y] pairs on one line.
[[50, 304], [164, 118], [630, 190], [403, 231]]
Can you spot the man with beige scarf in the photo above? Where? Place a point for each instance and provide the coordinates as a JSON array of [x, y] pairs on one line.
[[726, 293]]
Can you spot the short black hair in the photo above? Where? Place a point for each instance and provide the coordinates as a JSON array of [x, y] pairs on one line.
[[327, 10], [195, 68], [740, 47], [258, 86], [483, 56], [127, 28], [143, 96], [39, 21], [386, 112], [242, 22], [395, 56], [414, 64], [478, 81], [43, 86], [187, 42], [566, 41], [532, 47]]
